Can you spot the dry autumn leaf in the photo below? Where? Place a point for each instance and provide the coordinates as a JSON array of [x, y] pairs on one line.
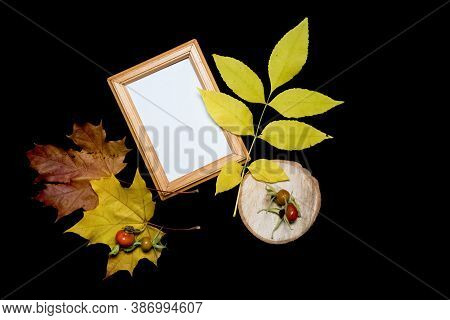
[[92, 140], [117, 208], [68, 173]]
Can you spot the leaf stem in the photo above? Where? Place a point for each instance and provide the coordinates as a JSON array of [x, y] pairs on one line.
[[173, 229], [165, 191], [249, 151]]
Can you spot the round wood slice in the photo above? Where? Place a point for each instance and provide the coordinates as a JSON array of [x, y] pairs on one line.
[[254, 197]]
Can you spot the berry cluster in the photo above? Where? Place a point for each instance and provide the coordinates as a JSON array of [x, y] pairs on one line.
[[286, 207], [126, 240]]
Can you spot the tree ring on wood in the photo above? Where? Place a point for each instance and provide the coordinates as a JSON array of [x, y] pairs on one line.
[[253, 197]]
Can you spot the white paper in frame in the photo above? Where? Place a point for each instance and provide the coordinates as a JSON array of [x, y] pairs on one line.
[[179, 142]]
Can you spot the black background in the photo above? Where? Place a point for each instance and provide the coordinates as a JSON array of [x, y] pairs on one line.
[[379, 176]]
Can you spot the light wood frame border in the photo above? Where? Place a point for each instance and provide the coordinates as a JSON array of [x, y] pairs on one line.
[[189, 50]]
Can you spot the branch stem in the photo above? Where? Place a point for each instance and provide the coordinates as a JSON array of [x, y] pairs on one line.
[[249, 151]]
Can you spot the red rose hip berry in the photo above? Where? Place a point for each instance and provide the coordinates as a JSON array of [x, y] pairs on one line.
[[124, 239], [291, 213]]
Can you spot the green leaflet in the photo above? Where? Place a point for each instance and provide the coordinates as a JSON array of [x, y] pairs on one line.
[[240, 78], [267, 171], [230, 114], [289, 55], [229, 176], [296, 103], [292, 135]]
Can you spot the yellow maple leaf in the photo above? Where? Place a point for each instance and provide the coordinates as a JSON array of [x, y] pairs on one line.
[[120, 207]]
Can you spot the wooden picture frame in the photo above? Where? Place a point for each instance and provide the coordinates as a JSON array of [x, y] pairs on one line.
[[119, 85]]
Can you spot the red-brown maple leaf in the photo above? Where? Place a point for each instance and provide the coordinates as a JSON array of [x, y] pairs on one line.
[[69, 172]]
